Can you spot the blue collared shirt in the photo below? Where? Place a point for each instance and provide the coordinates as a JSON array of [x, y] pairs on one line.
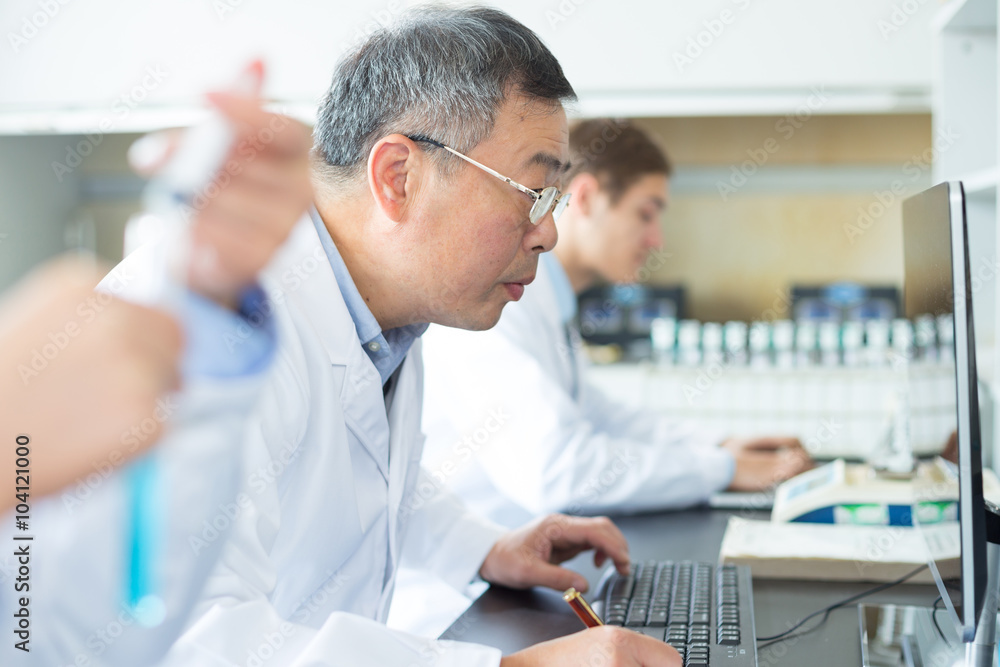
[[565, 296], [219, 343], [386, 349]]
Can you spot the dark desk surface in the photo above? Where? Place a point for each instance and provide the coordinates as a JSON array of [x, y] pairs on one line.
[[511, 620]]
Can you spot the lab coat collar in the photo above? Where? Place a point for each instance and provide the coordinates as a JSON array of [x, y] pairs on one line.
[[301, 275], [563, 289]]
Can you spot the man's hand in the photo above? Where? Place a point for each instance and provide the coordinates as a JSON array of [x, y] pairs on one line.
[[765, 461], [606, 645], [245, 214], [529, 555], [81, 374]]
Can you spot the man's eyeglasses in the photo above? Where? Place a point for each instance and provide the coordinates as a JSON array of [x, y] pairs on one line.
[[546, 199]]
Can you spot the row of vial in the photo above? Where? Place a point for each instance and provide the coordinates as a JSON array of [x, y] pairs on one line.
[[787, 343]]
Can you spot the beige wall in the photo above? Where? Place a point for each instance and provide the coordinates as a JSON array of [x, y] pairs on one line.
[[736, 257], [796, 220]]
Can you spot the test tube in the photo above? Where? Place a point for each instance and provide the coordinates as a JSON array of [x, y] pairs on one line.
[[925, 337], [760, 344], [783, 335], [902, 338], [689, 342], [876, 342], [663, 337], [735, 335], [852, 336], [711, 342], [805, 343], [946, 336], [829, 343]]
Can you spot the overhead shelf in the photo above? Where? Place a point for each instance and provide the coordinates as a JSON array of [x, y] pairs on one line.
[[966, 15]]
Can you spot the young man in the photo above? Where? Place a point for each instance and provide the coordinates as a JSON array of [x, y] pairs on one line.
[[512, 427], [404, 232]]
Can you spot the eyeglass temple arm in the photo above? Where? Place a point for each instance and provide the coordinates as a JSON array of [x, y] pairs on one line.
[[528, 191]]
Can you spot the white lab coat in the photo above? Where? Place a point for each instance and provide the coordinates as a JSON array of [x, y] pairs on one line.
[[513, 428], [334, 500], [77, 564]]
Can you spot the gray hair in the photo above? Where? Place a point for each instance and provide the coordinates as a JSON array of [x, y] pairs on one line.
[[440, 73]]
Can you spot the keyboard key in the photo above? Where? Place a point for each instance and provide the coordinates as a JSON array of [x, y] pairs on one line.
[[655, 633]]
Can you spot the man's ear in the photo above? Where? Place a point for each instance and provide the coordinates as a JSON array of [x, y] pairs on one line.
[[394, 169], [584, 187]]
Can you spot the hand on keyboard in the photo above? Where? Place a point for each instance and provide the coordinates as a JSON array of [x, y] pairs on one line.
[[606, 645]]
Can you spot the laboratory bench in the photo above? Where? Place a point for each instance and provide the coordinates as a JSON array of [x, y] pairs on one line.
[[512, 620]]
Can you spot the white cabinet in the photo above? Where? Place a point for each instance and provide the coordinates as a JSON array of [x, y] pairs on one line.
[[965, 111], [71, 66]]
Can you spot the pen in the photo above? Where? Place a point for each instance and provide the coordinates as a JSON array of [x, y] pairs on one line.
[[582, 609]]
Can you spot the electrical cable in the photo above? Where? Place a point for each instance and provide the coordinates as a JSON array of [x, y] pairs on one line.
[[826, 610]]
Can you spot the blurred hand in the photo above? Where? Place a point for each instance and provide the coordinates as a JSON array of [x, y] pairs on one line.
[[950, 451], [765, 461], [605, 645], [247, 212], [529, 556], [81, 374]]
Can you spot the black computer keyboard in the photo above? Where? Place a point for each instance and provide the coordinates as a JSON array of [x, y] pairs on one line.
[[702, 610]]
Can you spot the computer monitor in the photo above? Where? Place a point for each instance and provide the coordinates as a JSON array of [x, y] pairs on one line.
[[937, 282]]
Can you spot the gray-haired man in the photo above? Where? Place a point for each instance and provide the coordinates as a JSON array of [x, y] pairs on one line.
[[437, 154]]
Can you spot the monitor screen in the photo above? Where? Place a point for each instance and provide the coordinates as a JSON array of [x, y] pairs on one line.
[[936, 283]]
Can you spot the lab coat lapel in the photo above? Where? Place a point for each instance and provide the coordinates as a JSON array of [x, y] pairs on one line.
[[303, 272], [567, 342], [406, 448]]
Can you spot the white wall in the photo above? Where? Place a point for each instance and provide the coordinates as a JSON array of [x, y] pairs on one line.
[[125, 63], [35, 206]]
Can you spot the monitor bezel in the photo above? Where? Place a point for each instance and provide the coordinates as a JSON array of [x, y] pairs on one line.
[[972, 509]]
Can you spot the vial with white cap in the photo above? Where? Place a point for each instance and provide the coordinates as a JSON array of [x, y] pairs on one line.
[[852, 339], [689, 343], [760, 344], [902, 338], [829, 343], [925, 337], [946, 336], [663, 338], [805, 344], [735, 340], [783, 337], [877, 342], [711, 343]]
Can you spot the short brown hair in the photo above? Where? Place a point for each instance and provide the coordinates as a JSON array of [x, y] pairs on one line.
[[616, 152]]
